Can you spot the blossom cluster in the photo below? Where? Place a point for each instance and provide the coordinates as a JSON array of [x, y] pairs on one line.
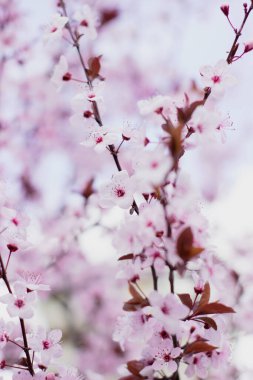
[[179, 317]]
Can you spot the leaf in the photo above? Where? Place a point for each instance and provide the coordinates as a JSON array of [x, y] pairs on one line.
[[138, 301], [214, 308], [186, 299], [210, 322], [205, 297], [135, 366], [185, 114], [108, 15], [134, 293], [94, 67], [185, 248], [197, 347], [129, 256], [88, 190]]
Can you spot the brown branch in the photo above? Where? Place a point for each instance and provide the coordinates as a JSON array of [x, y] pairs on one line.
[[95, 108], [235, 44], [21, 320]]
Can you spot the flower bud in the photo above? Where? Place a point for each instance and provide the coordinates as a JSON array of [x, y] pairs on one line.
[[225, 9], [248, 47]]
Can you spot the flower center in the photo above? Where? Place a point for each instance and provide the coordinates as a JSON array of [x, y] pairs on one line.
[[46, 344], [19, 303], [54, 29], [99, 139], [165, 309], [154, 164], [216, 79], [84, 23], [159, 110], [166, 357], [120, 192]]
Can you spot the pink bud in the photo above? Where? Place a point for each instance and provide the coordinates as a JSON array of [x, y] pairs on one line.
[[225, 9], [248, 47]]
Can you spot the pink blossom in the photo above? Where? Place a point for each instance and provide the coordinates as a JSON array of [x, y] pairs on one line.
[[6, 329], [98, 138], [20, 303], [217, 77], [119, 191], [151, 168], [167, 309], [46, 344], [54, 30], [164, 355], [86, 22], [60, 73], [32, 281], [157, 105]]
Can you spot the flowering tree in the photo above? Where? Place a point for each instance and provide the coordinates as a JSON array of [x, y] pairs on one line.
[[178, 318]]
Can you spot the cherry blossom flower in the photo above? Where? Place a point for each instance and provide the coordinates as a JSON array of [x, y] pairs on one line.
[[54, 30], [99, 138], [168, 310], [19, 304], [70, 373], [217, 77], [46, 344], [151, 168], [32, 281], [60, 74], [119, 191], [6, 329], [164, 354], [197, 365], [157, 105], [87, 22]]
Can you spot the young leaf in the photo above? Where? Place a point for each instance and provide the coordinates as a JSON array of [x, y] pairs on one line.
[[210, 322], [214, 308], [186, 299], [129, 256], [197, 347]]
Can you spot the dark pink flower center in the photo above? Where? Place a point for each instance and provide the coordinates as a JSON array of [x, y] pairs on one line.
[[154, 164], [216, 79], [166, 357], [54, 29], [159, 110], [120, 192], [165, 309], [19, 303], [4, 337], [84, 23], [15, 221], [46, 344], [99, 139]]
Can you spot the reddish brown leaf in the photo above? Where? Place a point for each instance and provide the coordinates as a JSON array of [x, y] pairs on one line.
[[197, 347], [108, 15], [129, 256], [209, 321], [214, 308], [135, 366], [88, 190], [186, 299], [94, 67], [134, 293], [205, 297], [185, 248]]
